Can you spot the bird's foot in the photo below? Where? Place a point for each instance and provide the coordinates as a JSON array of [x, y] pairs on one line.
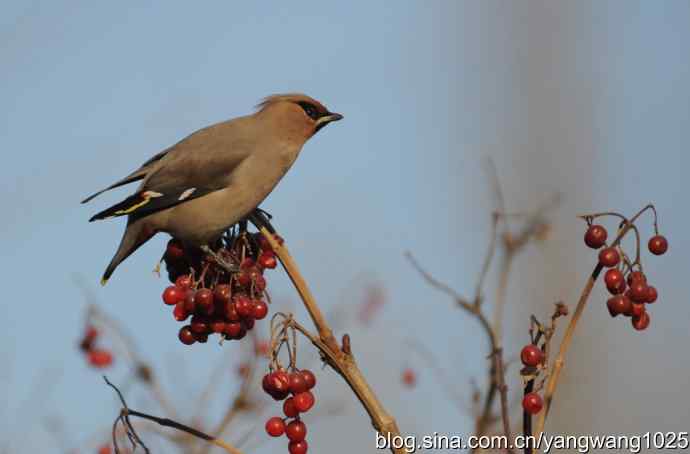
[[265, 213], [229, 267], [261, 219]]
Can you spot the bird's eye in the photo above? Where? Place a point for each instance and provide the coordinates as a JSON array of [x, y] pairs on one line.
[[310, 110]]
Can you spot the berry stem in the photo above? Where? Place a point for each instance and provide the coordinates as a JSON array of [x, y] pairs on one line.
[[559, 362]]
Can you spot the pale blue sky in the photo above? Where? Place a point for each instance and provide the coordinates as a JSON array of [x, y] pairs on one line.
[[591, 99]]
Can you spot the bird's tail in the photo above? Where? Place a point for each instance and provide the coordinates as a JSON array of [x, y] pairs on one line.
[[136, 234]]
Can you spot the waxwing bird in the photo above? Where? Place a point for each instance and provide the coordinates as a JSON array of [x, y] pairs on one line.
[[196, 189]]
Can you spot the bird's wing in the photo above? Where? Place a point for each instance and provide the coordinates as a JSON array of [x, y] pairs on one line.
[[198, 165], [137, 175]]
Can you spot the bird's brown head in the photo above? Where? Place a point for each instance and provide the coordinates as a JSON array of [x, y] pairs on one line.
[[296, 114]]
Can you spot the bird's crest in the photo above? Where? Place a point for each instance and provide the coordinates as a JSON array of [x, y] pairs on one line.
[[289, 97]]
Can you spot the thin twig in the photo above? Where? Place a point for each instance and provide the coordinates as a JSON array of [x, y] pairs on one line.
[[142, 370], [126, 412], [496, 355]]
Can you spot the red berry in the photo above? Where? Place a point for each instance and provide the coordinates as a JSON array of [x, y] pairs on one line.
[[173, 295], [100, 358], [244, 279], [309, 378], [276, 384], [248, 323], [259, 310], [200, 324], [268, 260], [532, 403], [304, 401], [289, 408], [242, 333], [658, 245], [186, 335], [259, 283], [531, 355], [296, 431], [638, 292], [619, 304], [637, 309], [218, 325], [266, 246], [296, 383], [409, 378], [203, 299], [595, 237], [90, 333], [275, 427], [189, 301], [180, 313], [614, 280], [282, 377], [652, 294], [174, 250], [231, 314], [184, 281], [233, 330], [246, 263], [89, 338], [609, 257], [642, 322], [243, 305], [267, 383], [298, 447], [636, 276], [222, 294]]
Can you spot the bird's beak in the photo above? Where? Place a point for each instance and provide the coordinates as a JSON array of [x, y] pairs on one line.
[[323, 121]]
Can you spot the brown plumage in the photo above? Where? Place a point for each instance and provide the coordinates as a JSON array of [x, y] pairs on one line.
[[213, 178]]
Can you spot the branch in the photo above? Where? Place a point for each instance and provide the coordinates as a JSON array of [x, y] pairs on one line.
[[497, 367], [340, 359], [126, 412], [143, 371], [554, 374]]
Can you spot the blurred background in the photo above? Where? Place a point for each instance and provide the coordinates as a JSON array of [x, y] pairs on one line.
[[587, 99]]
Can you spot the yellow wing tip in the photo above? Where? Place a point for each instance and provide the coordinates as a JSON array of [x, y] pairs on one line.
[[104, 281]]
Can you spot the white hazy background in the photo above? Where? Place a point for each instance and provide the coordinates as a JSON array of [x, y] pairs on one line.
[[587, 98]]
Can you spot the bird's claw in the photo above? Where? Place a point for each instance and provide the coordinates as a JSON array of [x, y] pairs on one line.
[[261, 219], [230, 268]]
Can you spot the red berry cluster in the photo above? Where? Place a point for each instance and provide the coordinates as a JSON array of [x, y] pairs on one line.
[[97, 357], [532, 357], [279, 385], [219, 301], [631, 293]]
